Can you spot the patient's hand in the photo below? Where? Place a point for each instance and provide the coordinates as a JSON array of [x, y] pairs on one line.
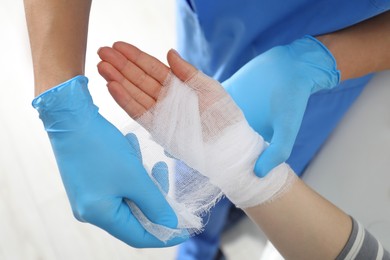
[[134, 78]]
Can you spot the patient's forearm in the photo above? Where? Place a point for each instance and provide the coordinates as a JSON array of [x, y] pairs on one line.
[[303, 225], [58, 36]]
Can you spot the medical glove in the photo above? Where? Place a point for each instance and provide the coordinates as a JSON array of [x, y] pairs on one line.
[[273, 90], [99, 167]]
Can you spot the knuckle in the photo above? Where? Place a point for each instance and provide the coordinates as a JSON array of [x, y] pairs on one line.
[[77, 216], [137, 244], [86, 210]]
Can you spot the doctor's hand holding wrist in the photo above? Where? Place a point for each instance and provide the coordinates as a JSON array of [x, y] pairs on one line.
[[273, 90]]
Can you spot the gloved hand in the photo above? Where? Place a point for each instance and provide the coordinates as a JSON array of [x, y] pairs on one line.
[[99, 167], [273, 90]]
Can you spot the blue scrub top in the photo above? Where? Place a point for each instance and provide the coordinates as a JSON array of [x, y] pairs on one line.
[[220, 36]]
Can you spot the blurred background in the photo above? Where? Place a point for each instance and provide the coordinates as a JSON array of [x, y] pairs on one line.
[[352, 170]]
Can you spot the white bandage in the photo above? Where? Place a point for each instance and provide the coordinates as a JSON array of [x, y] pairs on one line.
[[198, 123]]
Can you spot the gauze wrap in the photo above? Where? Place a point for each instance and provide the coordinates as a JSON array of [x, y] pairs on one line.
[[198, 123]]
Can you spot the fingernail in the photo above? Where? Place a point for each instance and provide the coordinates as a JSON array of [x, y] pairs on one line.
[[99, 50], [260, 174], [258, 171], [175, 52]]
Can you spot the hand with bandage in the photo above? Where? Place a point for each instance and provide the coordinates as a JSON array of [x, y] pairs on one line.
[[195, 120]]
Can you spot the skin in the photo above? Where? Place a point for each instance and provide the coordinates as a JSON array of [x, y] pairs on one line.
[[361, 49], [58, 32]]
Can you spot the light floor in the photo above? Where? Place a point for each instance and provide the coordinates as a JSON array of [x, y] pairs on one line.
[[35, 218]]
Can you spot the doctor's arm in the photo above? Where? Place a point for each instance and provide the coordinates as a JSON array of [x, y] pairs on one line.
[[361, 49], [99, 167], [58, 37]]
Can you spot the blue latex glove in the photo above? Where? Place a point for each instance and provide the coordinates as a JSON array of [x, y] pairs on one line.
[[99, 166], [273, 90]]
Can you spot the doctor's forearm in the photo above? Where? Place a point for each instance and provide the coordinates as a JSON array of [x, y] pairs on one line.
[[58, 36], [361, 49]]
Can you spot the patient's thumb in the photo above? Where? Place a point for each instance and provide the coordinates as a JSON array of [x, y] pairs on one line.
[[181, 68]]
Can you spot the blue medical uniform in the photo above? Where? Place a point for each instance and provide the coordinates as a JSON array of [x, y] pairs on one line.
[[220, 36]]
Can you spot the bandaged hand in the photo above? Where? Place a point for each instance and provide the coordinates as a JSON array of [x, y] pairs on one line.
[[195, 120], [101, 169], [273, 89]]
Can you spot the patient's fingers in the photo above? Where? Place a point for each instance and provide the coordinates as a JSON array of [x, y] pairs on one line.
[[111, 74], [125, 100], [135, 78], [131, 72], [149, 64]]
